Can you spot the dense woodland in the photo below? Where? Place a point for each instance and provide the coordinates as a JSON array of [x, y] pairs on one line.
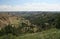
[[32, 22]]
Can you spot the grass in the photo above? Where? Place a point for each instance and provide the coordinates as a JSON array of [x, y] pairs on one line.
[[48, 34]]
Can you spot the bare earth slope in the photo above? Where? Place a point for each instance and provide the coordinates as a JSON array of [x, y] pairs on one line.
[[6, 19]]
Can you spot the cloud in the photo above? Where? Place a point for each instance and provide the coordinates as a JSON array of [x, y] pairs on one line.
[[31, 7]]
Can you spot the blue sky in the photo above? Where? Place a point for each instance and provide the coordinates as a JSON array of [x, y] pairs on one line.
[[20, 2], [29, 5]]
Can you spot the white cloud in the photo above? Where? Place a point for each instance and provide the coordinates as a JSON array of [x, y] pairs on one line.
[[31, 7]]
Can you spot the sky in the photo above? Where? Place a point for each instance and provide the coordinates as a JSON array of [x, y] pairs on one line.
[[29, 5]]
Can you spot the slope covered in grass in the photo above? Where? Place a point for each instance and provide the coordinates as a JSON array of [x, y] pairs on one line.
[[48, 34]]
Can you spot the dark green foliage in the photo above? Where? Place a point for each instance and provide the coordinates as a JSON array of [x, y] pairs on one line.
[[58, 22], [9, 30], [45, 20]]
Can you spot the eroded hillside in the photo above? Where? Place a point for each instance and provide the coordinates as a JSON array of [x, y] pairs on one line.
[[7, 19]]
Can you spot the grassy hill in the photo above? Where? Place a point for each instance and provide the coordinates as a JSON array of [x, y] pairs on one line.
[[48, 34]]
